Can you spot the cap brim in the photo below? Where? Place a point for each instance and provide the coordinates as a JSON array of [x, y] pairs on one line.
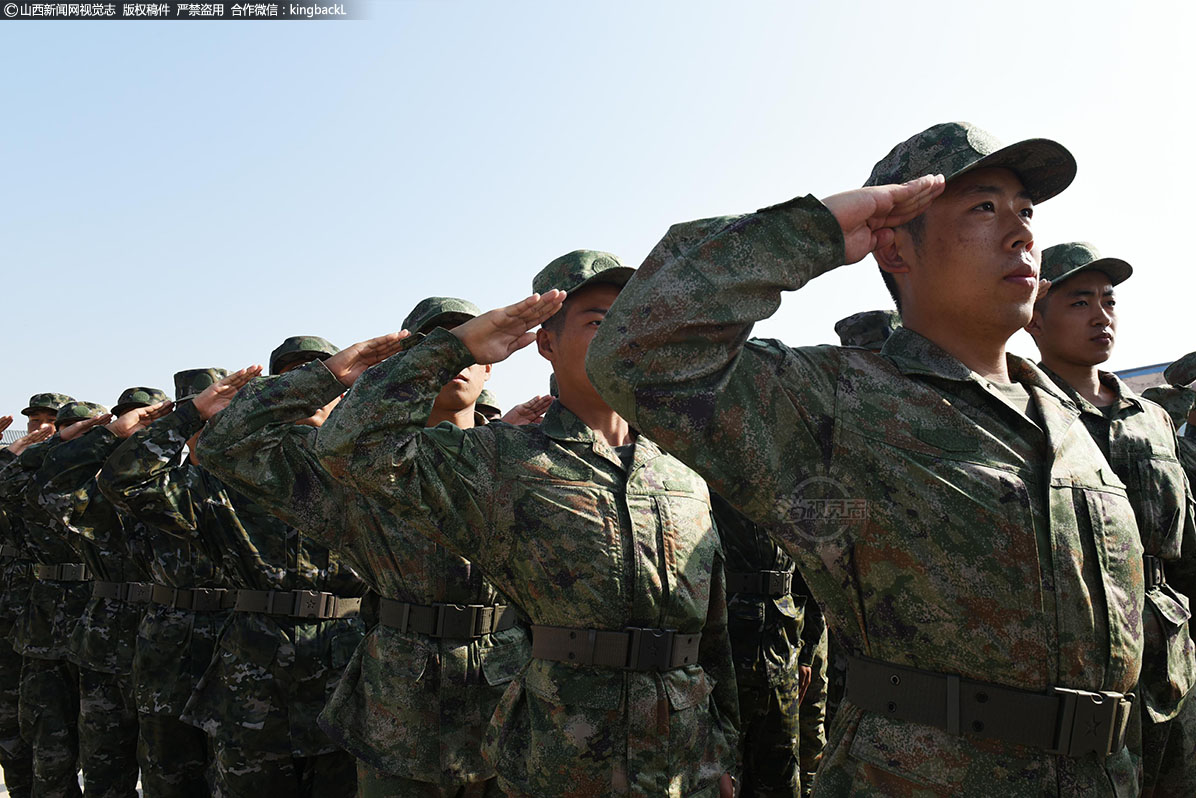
[[617, 275], [293, 358], [120, 410], [1117, 270], [1045, 167], [450, 318], [28, 411]]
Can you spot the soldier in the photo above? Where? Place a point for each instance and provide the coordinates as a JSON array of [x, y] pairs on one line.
[[1075, 327], [49, 701], [15, 577], [941, 497], [418, 694], [293, 624], [488, 404], [102, 645], [189, 599], [766, 620], [604, 541]]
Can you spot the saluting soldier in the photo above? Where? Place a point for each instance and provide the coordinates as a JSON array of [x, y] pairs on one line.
[[417, 696], [602, 539], [961, 530]]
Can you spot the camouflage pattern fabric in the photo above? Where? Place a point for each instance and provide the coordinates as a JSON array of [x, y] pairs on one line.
[[576, 539], [49, 721], [107, 734], [1176, 741], [46, 401], [176, 758], [414, 708], [372, 783], [766, 642], [936, 526], [812, 717], [15, 756], [1139, 442], [300, 349], [248, 773], [1182, 371], [270, 676], [869, 328]]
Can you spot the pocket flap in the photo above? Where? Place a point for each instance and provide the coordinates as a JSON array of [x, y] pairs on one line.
[[1170, 605], [687, 687], [502, 663]]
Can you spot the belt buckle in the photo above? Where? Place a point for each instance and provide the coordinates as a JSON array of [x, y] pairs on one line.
[[456, 621], [779, 583], [1091, 721], [650, 649], [308, 604]]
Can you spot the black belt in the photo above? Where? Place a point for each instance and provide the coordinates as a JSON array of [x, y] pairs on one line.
[[1152, 567], [1060, 721], [454, 621], [761, 583], [634, 649], [129, 592], [197, 599], [9, 552], [63, 572], [297, 603]]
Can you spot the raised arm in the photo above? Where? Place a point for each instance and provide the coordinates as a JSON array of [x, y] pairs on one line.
[[66, 484], [673, 355]]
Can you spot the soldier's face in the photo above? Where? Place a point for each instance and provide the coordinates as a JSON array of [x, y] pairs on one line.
[[39, 417], [1076, 323], [565, 345], [976, 266]]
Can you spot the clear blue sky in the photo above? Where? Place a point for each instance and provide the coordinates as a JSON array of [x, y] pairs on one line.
[[177, 195]]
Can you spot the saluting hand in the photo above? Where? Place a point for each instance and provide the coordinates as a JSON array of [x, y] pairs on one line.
[[77, 429], [868, 215], [217, 396], [530, 412], [28, 439], [139, 418], [349, 364], [496, 334], [5, 422]]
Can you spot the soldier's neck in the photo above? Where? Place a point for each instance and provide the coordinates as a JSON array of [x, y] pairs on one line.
[[462, 418], [1083, 378], [983, 351], [598, 416]]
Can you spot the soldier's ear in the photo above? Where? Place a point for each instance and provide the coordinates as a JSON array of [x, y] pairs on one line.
[[890, 256], [546, 344]]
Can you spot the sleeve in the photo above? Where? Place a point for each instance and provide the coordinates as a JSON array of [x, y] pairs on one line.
[[715, 651], [256, 446], [67, 489], [673, 356], [440, 479], [142, 476], [813, 623]]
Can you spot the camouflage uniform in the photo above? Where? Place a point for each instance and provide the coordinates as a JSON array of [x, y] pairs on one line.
[[766, 619], [1138, 440], [175, 641], [582, 540], [868, 329], [103, 642], [412, 707], [49, 702], [268, 679], [812, 714], [488, 406], [950, 540]]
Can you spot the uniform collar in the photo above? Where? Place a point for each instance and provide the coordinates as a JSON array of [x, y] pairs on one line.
[[560, 424], [1125, 400], [915, 354]]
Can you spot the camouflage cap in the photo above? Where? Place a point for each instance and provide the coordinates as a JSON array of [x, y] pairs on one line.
[[1045, 167], [72, 412], [300, 349], [488, 401], [1178, 402], [141, 396], [439, 311], [190, 383], [1064, 261], [46, 401], [1182, 371], [580, 268], [869, 328]]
